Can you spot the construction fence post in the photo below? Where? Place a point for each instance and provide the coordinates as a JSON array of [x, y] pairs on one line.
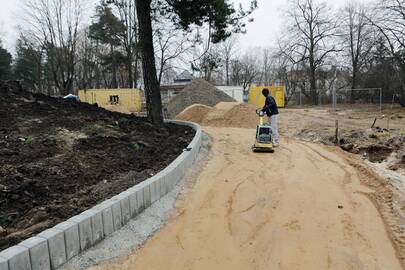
[[300, 98], [337, 140], [381, 100]]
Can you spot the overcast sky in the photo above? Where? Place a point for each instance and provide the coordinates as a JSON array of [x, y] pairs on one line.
[[263, 32]]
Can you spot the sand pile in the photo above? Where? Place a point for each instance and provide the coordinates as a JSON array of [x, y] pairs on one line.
[[194, 113], [224, 114], [240, 115], [198, 92]]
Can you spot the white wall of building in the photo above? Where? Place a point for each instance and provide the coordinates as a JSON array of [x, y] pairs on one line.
[[235, 92]]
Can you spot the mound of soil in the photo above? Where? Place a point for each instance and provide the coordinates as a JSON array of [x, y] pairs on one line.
[[239, 115], [60, 157], [224, 114], [194, 113], [377, 152], [198, 92], [398, 144]]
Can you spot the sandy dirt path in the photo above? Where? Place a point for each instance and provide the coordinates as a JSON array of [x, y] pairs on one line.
[[300, 208]]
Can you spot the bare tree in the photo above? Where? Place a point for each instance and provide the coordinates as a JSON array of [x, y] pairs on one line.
[[312, 31], [357, 38], [170, 44], [55, 25], [126, 10], [267, 66], [206, 61], [289, 72], [228, 50], [86, 67], [389, 19], [245, 70]]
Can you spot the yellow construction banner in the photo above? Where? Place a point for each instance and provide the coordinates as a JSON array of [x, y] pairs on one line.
[[277, 92]]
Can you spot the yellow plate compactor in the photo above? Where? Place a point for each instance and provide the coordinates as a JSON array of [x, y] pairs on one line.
[[264, 135]]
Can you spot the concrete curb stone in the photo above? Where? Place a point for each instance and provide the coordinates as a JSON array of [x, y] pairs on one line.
[[56, 246], [18, 258], [72, 240], [39, 254]]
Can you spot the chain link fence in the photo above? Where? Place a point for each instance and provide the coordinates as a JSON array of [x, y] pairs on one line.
[[339, 99]]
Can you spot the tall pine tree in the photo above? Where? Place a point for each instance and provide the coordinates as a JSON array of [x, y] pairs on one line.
[[28, 65], [107, 30], [5, 64]]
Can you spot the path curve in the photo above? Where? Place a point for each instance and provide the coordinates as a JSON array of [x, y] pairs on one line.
[[300, 208]]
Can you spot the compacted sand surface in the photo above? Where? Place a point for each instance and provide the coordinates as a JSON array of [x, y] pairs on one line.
[[303, 207]]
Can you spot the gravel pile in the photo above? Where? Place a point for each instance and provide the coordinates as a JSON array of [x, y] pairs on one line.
[[198, 92]]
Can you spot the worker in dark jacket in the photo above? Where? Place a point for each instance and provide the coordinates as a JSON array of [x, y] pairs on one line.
[[271, 110]]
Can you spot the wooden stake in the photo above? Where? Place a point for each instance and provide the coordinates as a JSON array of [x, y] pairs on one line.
[[375, 120]]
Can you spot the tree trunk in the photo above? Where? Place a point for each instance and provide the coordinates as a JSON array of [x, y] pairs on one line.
[[130, 74], [130, 80], [114, 82], [402, 101], [354, 84], [161, 71], [98, 75], [401, 96], [152, 89], [136, 75], [39, 76], [227, 72], [312, 76], [314, 94]]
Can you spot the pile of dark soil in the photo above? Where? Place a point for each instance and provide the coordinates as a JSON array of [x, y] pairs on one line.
[[60, 157], [374, 147], [198, 92]]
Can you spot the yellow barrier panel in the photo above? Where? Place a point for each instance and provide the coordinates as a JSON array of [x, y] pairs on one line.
[[256, 98], [130, 99]]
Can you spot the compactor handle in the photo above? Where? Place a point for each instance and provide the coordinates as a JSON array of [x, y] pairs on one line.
[[259, 112]]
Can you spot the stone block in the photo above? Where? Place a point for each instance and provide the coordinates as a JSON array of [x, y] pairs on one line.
[[56, 246], [85, 230], [153, 190], [146, 195], [3, 264], [18, 258], [125, 208], [72, 239], [140, 200], [162, 184], [116, 213], [39, 253], [97, 225], [108, 221], [133, 203]]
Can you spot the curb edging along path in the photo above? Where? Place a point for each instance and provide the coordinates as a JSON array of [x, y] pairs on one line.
[[54, 247]]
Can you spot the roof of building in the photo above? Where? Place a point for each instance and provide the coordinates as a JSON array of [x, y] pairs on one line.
[[184, 76]]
